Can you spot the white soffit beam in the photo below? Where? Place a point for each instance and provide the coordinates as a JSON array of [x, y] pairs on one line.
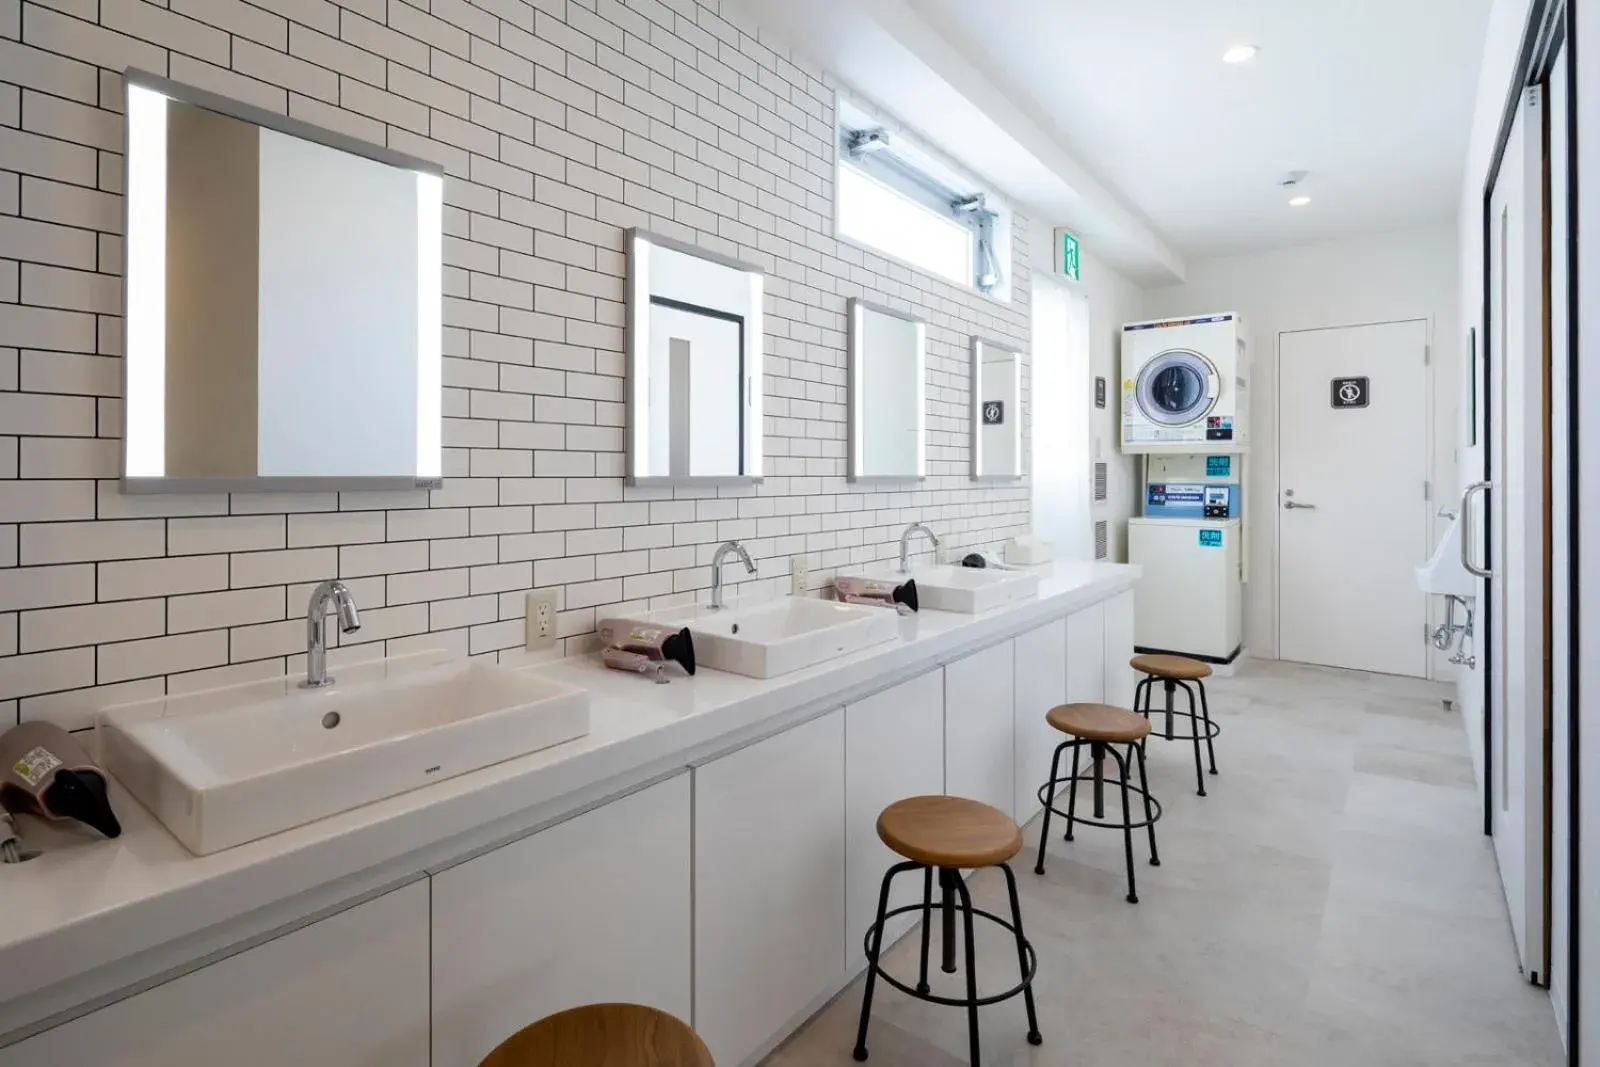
[[891, 55]]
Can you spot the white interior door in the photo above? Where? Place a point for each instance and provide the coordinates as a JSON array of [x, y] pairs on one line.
[[1516, 526], [1353, 507]]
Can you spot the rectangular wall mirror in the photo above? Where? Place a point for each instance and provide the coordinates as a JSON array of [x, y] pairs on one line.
[[694, 365], [888, 394], [282, 286], [996, 411]]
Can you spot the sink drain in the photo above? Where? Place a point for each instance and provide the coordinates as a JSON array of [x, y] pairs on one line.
[[330, 720]]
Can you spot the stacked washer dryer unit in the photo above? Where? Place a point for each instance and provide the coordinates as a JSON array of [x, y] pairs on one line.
[[1186, 412]]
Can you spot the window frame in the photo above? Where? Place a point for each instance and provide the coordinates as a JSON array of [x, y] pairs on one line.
[[910, 173]]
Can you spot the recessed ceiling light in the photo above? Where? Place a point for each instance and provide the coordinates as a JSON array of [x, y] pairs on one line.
[[1240, 53], [1299, 201]]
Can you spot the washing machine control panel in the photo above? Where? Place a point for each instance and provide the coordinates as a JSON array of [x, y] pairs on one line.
[[1190, 500]]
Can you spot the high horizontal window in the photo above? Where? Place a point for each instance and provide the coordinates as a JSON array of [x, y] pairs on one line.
[[894, 199]]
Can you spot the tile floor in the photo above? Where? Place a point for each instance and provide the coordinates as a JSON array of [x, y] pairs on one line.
[[1332, 902]]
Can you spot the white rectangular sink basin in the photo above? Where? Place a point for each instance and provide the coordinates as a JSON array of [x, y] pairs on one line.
[[774, 637], [232, 765], [963, 590]]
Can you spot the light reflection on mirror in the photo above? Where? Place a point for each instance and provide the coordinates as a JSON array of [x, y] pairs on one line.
[[283, 302], [694, 364], [888, 393], [996, 411]]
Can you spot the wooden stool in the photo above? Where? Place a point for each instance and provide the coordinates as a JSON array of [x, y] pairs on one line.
[[948, 834], [1174, 673], [1102, 728], [603, 1035]]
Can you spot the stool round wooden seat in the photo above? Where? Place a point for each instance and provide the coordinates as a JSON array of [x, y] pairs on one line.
[[1173, 673], [1102, 729], [1099, 722], [603, 1035], [941, 831], [1180, 668], [947, 835]]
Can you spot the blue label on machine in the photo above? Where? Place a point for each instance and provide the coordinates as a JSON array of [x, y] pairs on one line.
[[1219, 466], [1210, 538], [1177, 494]]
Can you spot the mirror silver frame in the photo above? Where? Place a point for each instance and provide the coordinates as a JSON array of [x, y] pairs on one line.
[[857, 389], [431, 378], [754, 332], [979, 346]]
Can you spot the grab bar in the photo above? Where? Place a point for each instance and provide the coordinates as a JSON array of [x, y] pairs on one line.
[[1467, 534]]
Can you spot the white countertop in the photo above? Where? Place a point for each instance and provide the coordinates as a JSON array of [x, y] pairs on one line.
[[89, 902]]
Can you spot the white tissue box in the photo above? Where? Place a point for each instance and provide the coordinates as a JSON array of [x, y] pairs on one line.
[[1028, 551]]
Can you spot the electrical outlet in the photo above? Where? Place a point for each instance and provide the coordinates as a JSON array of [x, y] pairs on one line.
[[799, 570], [542, 618]]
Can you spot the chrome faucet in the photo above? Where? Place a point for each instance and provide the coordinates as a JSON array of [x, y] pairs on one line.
[[905, 545], [316, 637], [722, 553]]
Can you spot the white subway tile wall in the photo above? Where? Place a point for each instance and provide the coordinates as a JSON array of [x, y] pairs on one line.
[[560, 123]]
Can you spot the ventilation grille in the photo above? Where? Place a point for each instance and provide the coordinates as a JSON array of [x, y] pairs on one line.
[[1100, 490], [1102, 535]]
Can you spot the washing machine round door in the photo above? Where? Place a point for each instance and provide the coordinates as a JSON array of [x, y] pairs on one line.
[[1177, 388]]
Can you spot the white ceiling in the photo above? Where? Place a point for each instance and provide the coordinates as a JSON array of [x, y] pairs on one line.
[[1373, 98]]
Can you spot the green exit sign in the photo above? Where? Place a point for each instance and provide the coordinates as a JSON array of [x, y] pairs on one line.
[[1067, 255]]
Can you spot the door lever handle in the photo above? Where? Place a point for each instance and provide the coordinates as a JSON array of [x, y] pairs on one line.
[[1295, 505]]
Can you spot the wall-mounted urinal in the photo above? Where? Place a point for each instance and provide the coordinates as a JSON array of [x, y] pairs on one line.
[[1443, 573]]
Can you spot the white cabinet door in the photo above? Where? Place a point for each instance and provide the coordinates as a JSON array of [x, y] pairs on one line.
[[980, 751], [1086, 655], [893, 749], [1120, 678], [348, 991], [1041, 684], [592, 909], [768, 885]]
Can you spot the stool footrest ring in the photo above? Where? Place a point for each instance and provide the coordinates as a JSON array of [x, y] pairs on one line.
[[1071, 780], [1212, 730], [934, 998]]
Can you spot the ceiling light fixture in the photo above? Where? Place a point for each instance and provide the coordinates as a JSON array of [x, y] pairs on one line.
[[1299, 201], [1240, 53]]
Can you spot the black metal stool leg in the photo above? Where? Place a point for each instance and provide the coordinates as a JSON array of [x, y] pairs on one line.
[[1137, 751], [1072, 789], [872, 956], [1194, 734], [1049, 802], [1034, 1037], [1171, 689], [1127, 824], [972, 964], [1205, 710], [1143, 699], [927, 926], [1097, 753], [948, 939]]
